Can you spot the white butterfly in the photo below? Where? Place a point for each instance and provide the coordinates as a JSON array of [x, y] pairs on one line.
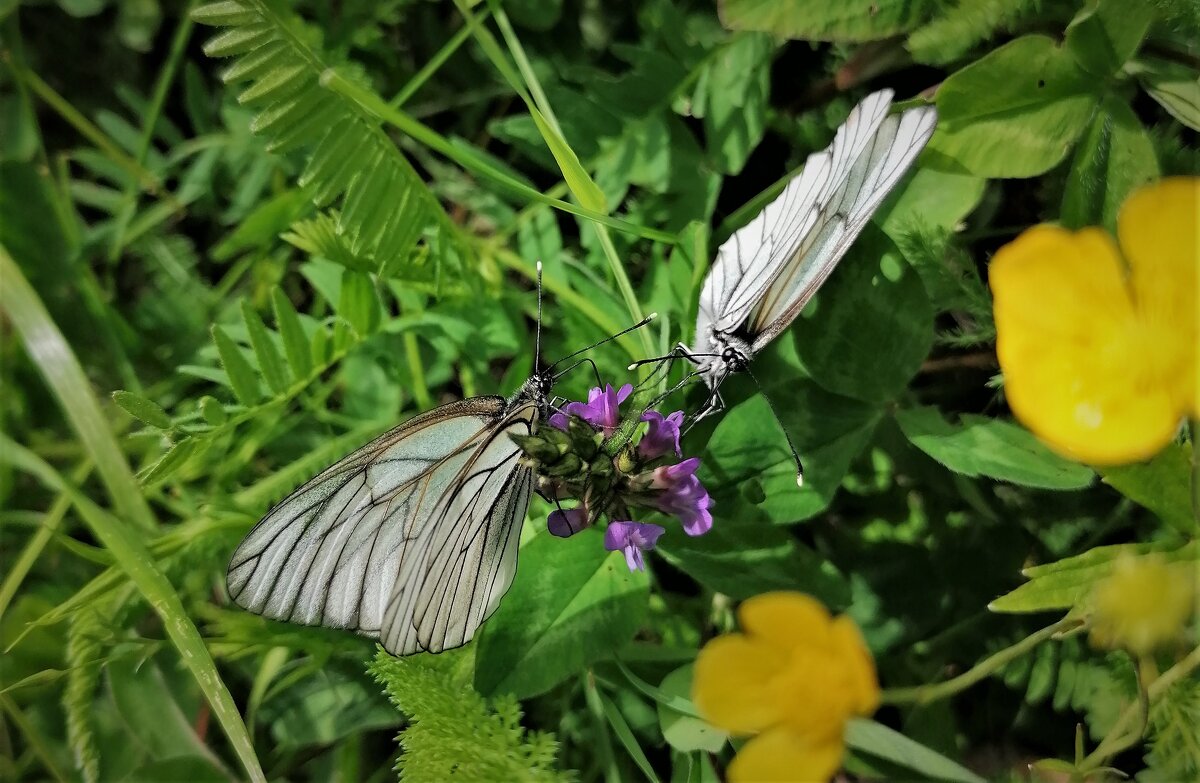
[[411, 539], [768, 270]]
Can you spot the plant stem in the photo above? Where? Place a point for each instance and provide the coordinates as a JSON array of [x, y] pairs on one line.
[[924, 694], [428, 69], [1120, 736]]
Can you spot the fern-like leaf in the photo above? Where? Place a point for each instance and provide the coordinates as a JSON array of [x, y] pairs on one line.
[[385, 205], [955, 32], [83, 650], [452, 733]]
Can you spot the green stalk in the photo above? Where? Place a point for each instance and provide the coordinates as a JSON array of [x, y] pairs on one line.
[[165, 78], [924, 694], [136, 561], [443, 54], [66, 379]]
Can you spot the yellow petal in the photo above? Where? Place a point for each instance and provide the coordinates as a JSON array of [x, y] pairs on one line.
[[1142, 604], [733, 684], [786, 620], [860, 668], [1159, 229], [780, 755], [1079, 366]]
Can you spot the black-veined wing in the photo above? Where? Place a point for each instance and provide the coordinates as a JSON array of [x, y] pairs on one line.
[[411, 539], [768, 270]]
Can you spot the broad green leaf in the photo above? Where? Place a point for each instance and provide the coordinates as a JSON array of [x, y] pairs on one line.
[[867, 736], [1106, 33], [1112, 159], [930, 199], [295, 343], [572, 604], [820, 20], [1013, 113], [142, 409], [743, 557], [748, 447], [358, 302], [870, 327], [242, 379], [682, 731], [1174, 86], [1162, 485], [737, 87], [269, 360], [1063, 584], [983, 446]]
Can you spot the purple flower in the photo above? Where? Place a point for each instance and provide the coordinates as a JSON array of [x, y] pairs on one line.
[[683, 495], [601, 409], [662, 436], [566, 523], [632, 537]]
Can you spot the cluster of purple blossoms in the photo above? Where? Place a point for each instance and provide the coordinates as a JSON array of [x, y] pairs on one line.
[[670, 488]]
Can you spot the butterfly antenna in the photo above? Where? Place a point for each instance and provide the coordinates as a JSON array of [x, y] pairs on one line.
[[795, 455], [610, 338], [537, 344]]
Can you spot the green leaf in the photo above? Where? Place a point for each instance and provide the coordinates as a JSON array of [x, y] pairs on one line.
[[1063, 584], [212, 411], [572, 604], [269, 360], [1162, 485], [242, 379], [682, 731], [819, 20], [982, 446], [1013, 113], [828, 430], [261, 227], [586, 191], [1113, 158], [1106, 33], [871, 326], [168, 463], [1174, 86], [876, 739], [930, 199], [142, 409], [625, 736], [295, 343], [743, 557], [358, 302], [737, 86]]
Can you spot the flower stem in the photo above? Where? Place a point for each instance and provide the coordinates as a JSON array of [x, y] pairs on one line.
[[1123, 735], [924, 694]]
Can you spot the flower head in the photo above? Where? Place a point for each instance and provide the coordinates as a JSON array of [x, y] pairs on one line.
[[662, 436], [683, 495], [1144, 603], [1098, 340], [633, 538], [566, 523], [793, 678], [602, 410]]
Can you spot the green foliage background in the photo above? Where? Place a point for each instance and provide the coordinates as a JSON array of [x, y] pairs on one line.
[[239, 239]]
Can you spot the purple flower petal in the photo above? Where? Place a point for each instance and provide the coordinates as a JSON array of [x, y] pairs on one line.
[[632, 538], [662, 436], [565, 523]]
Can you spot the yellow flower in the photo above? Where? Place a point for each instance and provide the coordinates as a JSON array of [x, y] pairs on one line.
[[1145, 602], [1098, 344], [794, 677]]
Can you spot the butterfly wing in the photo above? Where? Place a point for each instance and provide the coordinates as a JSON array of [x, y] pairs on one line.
[[768, 270], [412, 538]]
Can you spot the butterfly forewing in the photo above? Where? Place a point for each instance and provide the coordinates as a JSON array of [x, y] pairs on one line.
[[412, 538]]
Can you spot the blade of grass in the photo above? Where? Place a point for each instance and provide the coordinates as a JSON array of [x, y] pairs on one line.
[[625, 735], [137, 562], [435, 62], [36, 741], [66, 379], [463, 156]]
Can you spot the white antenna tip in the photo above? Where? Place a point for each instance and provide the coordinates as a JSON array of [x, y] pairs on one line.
[[539, 266], [652, 316], [632, 367], [800, 480]]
